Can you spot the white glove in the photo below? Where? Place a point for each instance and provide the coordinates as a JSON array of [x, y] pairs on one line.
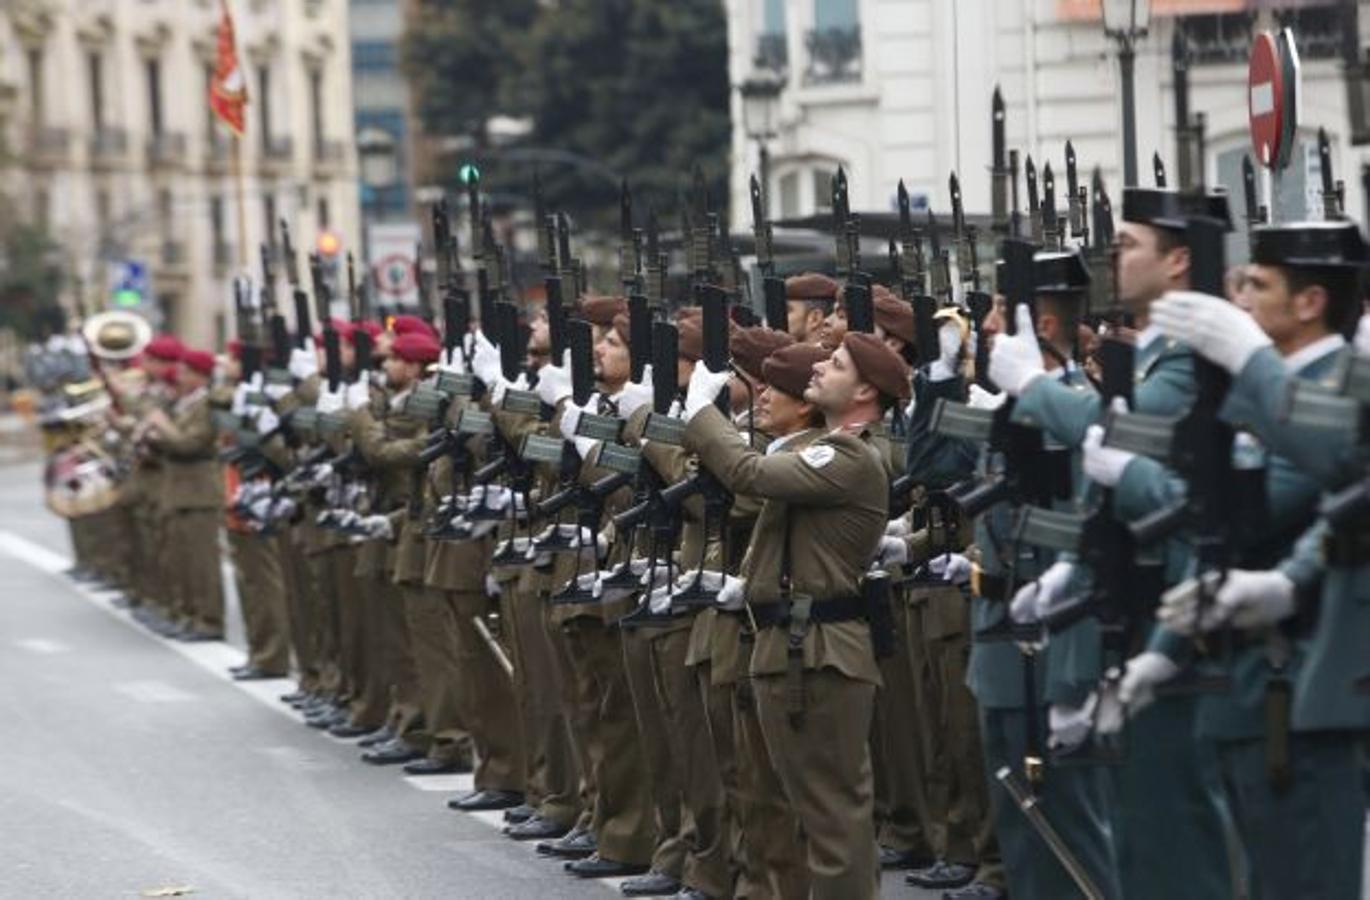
[[983, 399], [265, 421], [659, 600], [733, 595], [635, 394], [897, 527], [892, 551], [1016, 359], [357, 395], [1214, 328], [329, 401], [493, 496], [1245, 599], [1110, 714], [499, 386], [1362, 339], [1070, 725], [949, 351], [1034, 599], [570, 418], [1103, 465], [377, 528], [554, 382], [276, 391], [704, 389], [485, 361], [239, 404], [451, 361], [652, 577], [1144, 672], [492, 588], [303, 362], [952, 567]]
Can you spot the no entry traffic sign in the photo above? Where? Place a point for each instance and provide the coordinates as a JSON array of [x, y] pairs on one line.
[[1272, 82]]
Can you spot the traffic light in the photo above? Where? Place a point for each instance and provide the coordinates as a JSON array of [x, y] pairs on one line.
[[468, 173]]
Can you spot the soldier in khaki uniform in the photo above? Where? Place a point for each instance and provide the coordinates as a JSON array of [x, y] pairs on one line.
[[825, 511], [192, 495], [809, 298]]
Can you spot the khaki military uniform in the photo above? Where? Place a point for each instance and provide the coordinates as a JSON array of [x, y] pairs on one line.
[[828, 504]]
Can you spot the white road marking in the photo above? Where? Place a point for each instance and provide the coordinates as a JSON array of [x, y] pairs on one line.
[[152, 691], [215, 658], [42, 645]]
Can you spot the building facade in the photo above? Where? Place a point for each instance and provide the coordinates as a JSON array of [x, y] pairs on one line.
[[892, 89], [382, 111], [113, 146]]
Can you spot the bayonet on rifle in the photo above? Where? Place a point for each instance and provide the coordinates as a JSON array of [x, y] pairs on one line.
[[940, 263], [999, 172], [1034, 202], [1076, 196], [1333, 192], [1158, 166], [912, 266], [1051, 226]]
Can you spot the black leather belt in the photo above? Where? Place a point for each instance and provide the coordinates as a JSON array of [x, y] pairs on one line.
[[846, 609]]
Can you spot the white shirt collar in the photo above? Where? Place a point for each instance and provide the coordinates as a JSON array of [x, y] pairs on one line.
[[781, 441], [1147, 336], [1306, 356]]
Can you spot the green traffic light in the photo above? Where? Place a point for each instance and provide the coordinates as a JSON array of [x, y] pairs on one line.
[[468, 173], [126, 298]]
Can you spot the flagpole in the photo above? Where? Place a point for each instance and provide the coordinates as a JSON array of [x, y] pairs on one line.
[[242, 200]]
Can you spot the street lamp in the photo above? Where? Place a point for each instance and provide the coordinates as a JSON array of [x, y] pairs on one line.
[[1125, 21], [760, 115]]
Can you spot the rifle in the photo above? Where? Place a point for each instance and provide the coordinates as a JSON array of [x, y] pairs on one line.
[[913, 267], [848, 253], [1256, 213], [1015, 217], [1051, 226], [940, 264], [1034, 202], [248, 327], [303, 329], [332, 344], [629, 244], [1158, 167], [361, 338], [655, 288], [640, 338], [1333, 192], [924, 307], [1079, 227], [999, 172], [278, 333], [423, 283], [978, 302], [772, 285], [1100, 256]]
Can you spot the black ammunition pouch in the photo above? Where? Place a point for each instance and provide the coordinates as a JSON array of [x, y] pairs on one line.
[[875, 598]]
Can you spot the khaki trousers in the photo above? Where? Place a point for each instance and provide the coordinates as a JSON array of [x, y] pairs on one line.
[[196, 564], [657, 755], [825, 767], [300, 591], [432, 635], [486, 699], [897, 744], [262, 595]]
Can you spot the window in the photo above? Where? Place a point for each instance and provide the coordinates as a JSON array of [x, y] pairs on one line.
[[822, 190], [771, 49], [154, 95], [96, 76], [269, 217], [264, 103], [374, 56], [789, 195], [37, 108], [834, 44]]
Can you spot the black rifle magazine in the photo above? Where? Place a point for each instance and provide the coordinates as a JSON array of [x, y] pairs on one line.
[[522, 403], [599, 428], [537, 448], [473, 421], [664, 430], [960, 420], [617, 458]]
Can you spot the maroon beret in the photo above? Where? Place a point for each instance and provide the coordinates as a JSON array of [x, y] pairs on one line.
[[201, 361], [749, 347], [893, 314], [165, 347], [789, 369], [811, 286], [416, 347], [879, 365], [412, 324]]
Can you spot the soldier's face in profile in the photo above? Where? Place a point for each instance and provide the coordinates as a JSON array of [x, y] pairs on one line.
[[1146, 268], [611, 360], [834, 327], [399, 374], [802, 320], [1279, 312], [834, 383], [779, 414]]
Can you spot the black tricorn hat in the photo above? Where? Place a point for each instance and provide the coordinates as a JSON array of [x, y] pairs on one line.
[[1173, 209], [1325, 245], [1059, 272]]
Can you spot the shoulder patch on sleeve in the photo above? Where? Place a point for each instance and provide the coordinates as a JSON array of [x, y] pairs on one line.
[[818, 455]]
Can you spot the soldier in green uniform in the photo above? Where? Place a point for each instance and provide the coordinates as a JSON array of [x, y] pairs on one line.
[[813, 666], [1292, 769]]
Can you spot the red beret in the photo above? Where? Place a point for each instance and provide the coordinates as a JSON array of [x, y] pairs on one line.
[[893, 314], [370, 327], [344, 330], [811, 286], [201, 361], [416, 347], [412, 324], [749, 347], [879, 365], [601, 310], [234, 348], [164, 347], [789, 369]]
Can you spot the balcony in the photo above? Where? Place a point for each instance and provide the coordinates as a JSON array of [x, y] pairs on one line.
[[224, 258], [166, 150], [772, 52], [108, 148], [49, 148], [329, 158], [834, 56], [278, 155]]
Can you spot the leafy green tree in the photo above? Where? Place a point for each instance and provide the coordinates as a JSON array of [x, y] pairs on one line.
[[30, 278]]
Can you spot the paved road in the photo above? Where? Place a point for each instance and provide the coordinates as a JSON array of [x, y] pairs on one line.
[[131, 764]]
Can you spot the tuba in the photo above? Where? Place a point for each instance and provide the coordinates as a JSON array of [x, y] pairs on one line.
[[115, 335]]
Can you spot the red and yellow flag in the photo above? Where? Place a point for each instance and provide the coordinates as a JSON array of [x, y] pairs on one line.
[[228, 89]]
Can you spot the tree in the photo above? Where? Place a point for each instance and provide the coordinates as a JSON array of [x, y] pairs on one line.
[[640, 87], [30, 278]]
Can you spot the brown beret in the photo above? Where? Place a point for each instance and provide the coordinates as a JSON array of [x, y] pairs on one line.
[[893, 314], [621, 325], [879, 365], [690, 323], [750, 347], [811, 286], [789, 369], [601, 310]]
